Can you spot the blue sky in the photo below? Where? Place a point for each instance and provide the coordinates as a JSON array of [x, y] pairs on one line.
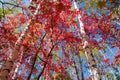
[[110, 51], [110, 54], [27, 2]]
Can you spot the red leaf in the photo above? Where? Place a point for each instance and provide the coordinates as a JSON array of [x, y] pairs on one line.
[[34, 70], [25, 42], [107, 60]]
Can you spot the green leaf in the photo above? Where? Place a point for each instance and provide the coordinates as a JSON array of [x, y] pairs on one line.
[[95, 50], [1, 16], [109, 74], [56, 55], [81, 53]]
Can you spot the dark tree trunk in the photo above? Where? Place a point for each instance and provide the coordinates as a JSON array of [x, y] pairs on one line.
[[35, 58]]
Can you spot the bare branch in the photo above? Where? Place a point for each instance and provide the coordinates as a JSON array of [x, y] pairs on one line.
[[11, 4]]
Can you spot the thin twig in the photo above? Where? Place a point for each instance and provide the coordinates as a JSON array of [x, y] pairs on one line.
[[35, 58], [41, 59], [11, 4]]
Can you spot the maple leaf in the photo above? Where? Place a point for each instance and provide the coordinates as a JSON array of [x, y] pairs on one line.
[[106, 60], [7, 26], [34, 70], [25, 42]]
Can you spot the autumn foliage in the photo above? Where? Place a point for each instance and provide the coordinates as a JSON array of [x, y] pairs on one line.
[[53, 38]]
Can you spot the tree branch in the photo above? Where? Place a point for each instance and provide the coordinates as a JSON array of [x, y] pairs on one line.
[[11, 4], [35, 58], [45, 63]]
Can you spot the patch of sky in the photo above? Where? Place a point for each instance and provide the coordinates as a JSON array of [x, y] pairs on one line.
[[85, 67], [26, 2], [0, 25], [110, 52], [82, 4], [0, 4], [85, 71], [117, 23], [61, 54], [109, 4], [38, 67]]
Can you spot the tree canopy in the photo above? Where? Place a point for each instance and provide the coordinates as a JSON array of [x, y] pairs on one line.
[[59, 39]]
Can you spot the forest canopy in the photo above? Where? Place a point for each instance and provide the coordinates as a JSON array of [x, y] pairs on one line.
[[59, 39]]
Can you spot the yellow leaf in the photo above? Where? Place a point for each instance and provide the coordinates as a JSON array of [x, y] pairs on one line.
[[88, 5], [56, 55], [81, 53], [101, 4]]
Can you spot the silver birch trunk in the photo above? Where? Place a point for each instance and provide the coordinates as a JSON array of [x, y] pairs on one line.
[[93, 70]]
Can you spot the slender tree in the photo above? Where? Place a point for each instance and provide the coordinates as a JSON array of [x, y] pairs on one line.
[[9, 63], [93, 70], [48, 38]]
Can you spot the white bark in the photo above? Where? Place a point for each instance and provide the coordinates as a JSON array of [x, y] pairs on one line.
[[27, 25], [92, 70], [17, 68], [20, 38], [8, 66]]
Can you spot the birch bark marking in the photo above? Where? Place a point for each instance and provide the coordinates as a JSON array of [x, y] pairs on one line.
[[9, 63], [93, 70], [17, 68]]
